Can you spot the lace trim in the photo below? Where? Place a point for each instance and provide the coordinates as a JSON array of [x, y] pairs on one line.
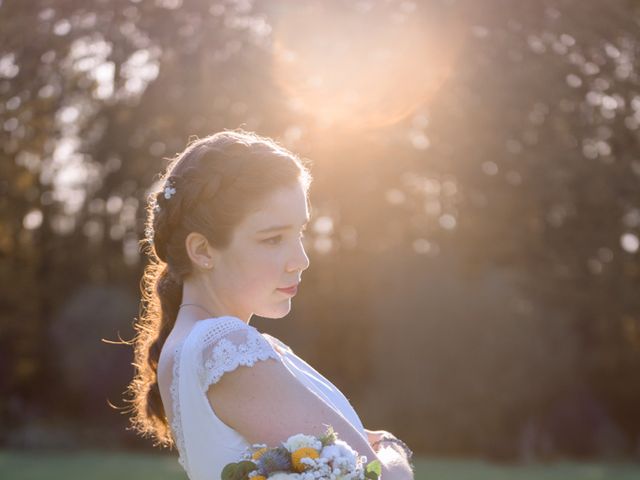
[[176, 424], [226, 356]]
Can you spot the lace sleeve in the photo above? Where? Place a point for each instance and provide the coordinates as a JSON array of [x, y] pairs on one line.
[[228, 345]]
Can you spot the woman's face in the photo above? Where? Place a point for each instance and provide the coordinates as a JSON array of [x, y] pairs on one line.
[[265, 254]]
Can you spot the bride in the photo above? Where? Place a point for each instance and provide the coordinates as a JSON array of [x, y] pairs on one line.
[[224, 236]]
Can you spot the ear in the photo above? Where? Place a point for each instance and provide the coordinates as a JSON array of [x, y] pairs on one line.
[[202, 255]]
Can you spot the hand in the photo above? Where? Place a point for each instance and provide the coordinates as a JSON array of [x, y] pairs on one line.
[[375, 435], [394, 469]]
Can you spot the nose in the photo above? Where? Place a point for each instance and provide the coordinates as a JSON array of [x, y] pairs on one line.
[[299, 260]]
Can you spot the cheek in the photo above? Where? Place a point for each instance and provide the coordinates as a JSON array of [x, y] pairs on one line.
[[260, 268]]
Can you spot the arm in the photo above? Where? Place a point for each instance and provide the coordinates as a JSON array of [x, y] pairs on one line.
[[266, 403]]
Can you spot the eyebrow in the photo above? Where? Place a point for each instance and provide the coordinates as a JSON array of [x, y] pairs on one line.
[[276, 228]]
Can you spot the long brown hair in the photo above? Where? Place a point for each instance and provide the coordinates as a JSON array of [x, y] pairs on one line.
[[208, 188]]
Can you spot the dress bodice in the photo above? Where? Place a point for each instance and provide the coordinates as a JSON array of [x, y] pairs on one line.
[[212, 348]]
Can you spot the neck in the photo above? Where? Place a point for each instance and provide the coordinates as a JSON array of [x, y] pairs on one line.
[[209, 304]]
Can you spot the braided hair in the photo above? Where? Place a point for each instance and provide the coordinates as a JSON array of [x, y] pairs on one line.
[[208, 188]]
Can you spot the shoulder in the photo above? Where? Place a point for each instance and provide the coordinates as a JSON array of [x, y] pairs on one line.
[[226, 343]]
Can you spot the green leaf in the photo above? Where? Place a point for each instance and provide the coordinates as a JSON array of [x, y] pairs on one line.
[[371, 475], [373, 470], [245, 467], [238, 471], [329, 437], [229, 471]]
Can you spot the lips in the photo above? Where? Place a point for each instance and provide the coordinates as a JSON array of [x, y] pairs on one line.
[[290, 290]]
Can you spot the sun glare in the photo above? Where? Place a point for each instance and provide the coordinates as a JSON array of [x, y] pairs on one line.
[[359, 69]]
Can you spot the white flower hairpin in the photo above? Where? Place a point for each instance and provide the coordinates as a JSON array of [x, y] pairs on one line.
[[169, 190]]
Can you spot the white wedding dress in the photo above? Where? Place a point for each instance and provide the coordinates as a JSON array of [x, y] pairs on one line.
[[212, 348]]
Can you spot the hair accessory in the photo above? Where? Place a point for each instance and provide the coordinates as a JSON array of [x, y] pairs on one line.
[[169, 189]]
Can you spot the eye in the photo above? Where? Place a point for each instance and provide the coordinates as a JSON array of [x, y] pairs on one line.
[[273, 240], [278, 238]]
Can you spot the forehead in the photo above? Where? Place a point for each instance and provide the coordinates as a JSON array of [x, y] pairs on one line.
[[285, 206]]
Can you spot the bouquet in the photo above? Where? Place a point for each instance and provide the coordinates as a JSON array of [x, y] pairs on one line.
[[303, 457]]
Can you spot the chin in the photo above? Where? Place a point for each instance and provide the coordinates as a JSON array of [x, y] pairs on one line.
[[277, 311]]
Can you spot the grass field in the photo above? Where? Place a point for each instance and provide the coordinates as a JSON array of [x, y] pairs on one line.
[[97, 465]]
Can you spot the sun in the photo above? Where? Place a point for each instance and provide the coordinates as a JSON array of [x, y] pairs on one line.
[[346, 68]]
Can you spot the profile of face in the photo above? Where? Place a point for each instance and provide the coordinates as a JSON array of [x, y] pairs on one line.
[[265, 254]]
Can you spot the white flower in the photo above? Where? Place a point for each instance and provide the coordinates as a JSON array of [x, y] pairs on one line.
[[340, 453], [313, 475], [168, 191], [301, 440], [308, 461], [284, 476], [320, 471]]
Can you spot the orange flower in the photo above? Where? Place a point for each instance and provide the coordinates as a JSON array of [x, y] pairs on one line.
[[258, 477], [257, 454], [299, 454]]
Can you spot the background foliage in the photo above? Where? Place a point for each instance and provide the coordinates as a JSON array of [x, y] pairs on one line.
[[474, 247]]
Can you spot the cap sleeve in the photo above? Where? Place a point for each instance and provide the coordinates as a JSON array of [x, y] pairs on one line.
[[229, 343]]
